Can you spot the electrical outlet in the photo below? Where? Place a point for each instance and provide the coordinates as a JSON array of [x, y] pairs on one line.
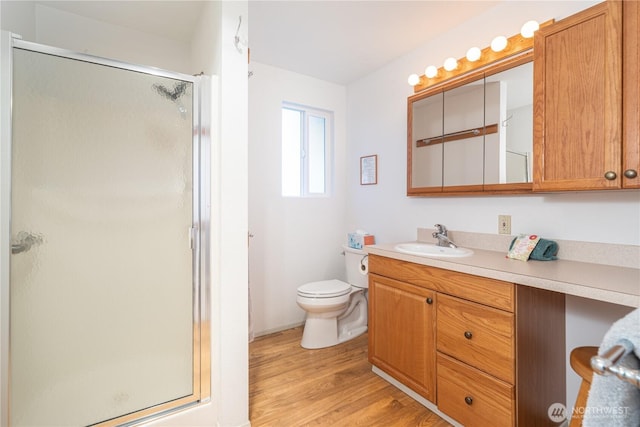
[[504, 224]]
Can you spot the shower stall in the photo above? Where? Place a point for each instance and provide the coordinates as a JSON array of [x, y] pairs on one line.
[[104, 185]]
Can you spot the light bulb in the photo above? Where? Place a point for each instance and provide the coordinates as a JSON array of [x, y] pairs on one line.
[[529, 28], [473, 54], [498, 44], [413, 79], [431, 71], [450, 64]]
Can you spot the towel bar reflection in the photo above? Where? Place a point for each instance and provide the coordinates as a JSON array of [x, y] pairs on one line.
[[455, 136], [607, 364]]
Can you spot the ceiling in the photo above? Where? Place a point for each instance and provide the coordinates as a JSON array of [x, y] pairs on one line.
[[342, 41], [336, 41]]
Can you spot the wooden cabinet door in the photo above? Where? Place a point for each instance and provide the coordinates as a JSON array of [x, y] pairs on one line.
[[631, 98], [402, 333], [578, 101]]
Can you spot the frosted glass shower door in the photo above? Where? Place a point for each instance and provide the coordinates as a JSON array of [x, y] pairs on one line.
[[102, 285]]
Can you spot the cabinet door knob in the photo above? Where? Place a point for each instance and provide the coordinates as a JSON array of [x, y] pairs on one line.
[[468, 400], [610, 175], [429, 300], [468, 335], [630, 173]]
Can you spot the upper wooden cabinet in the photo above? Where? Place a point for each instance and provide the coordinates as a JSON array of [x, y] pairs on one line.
[[578, 139], [586, 116], [631, 97]]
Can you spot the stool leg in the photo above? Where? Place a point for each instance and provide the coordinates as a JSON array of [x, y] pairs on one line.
[[580, 360], [580, 405]]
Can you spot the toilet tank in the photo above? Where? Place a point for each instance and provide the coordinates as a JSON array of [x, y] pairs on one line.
[[357, 264]]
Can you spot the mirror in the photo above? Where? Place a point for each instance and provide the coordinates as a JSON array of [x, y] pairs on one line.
[[464, 137], [428, 120], [474, 134], [509, 103]]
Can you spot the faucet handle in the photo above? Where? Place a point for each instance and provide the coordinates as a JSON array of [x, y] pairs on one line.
[[441, 229]]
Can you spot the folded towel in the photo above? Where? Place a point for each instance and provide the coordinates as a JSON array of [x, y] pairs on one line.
[[613, 402], [525, 246], [522, 246], [545, 250]]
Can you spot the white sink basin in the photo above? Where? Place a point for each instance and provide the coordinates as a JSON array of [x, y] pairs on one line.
[[431, 250]]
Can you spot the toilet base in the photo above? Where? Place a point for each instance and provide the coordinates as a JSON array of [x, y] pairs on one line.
[[349, 335], [321, 331]]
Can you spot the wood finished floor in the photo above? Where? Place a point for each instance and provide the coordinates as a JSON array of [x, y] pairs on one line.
[[290, 387]]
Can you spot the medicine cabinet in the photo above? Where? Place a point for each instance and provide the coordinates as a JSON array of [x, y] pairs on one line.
[[473, 134]]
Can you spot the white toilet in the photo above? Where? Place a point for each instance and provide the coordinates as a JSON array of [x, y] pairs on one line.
[[336, 311]]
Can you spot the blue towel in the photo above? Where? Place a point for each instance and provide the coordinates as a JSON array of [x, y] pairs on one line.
[[545, 250]]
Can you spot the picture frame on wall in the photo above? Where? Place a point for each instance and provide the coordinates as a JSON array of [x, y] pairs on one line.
[[369, 170]]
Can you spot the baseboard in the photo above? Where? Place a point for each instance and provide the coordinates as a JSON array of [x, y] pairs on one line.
[[415, 396], [279, 329], [247, 424]]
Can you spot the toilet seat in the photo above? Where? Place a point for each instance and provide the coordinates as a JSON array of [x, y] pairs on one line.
[[324, 289]]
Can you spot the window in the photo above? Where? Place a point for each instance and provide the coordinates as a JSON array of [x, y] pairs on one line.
[[306, 151]]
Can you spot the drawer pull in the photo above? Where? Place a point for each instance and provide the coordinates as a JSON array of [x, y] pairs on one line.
[[429, 300], [630, 173], [468, 400], [468, 335], [610, 175]]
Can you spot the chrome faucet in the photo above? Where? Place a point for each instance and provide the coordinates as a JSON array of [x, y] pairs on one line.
[[441, 235]]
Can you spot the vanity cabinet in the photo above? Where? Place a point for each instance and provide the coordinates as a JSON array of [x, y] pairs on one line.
[[495, 349], [578, 101], [408, 356]]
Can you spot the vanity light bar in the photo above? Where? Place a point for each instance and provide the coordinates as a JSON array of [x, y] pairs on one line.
[[515, 45]]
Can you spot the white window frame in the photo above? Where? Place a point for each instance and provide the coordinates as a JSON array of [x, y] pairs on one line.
[[306, 113]]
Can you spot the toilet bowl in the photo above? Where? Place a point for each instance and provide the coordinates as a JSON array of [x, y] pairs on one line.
[[336, 310]]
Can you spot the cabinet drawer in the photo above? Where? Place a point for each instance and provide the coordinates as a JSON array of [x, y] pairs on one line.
[[494, 293], [480, 336], [473, 398]]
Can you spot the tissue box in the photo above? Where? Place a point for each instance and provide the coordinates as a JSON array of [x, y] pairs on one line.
[[358, 241]]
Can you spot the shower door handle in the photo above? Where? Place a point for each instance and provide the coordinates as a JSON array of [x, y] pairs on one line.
[[24, 241]]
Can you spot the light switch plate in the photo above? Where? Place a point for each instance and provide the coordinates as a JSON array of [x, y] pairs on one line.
[[504, 224]]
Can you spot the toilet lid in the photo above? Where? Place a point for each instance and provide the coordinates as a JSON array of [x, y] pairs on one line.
[[324, 289]]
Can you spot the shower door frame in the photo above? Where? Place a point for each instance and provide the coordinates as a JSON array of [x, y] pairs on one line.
[[200, 231]]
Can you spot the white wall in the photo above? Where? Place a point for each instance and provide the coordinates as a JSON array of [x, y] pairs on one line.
[[296, 240], [214, 52], [232, 226], [207, 53], [377, 125], [19, 17]]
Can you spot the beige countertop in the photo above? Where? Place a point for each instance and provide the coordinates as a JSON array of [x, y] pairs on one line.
[[609, 283]]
